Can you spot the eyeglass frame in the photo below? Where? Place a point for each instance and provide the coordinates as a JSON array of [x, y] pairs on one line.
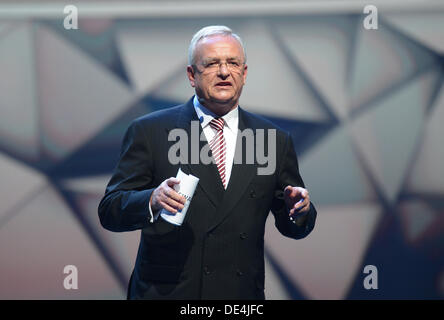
[[208, 66]]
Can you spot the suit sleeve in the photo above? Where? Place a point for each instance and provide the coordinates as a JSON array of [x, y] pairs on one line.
[[289, 175], [125, 205]]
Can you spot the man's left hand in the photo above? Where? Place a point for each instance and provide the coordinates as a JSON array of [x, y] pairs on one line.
[[297, 200]]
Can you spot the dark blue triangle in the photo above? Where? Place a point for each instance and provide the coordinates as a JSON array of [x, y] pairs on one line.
[[100, 154], [100, 47], [404, 271], [305, 134]]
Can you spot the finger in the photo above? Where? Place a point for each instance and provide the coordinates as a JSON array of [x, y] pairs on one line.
[[171, 182], [301, 192], [172, 194], [301, 212], [173, 203], [304, 209], [296, 192], [291, 195], [300, 205], [168, 208], [291, 192], [295, 208], [288, 189], [304, 192]]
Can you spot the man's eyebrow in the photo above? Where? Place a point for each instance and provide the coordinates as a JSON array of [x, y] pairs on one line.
[[218, 59]]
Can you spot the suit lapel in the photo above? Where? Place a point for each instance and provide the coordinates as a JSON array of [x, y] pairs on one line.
[[209, 179], [241, 175]]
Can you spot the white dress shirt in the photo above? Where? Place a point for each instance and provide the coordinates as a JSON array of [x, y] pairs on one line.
[[230, 131], [230, 134]]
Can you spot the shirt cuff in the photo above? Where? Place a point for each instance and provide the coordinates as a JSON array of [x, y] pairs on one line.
[[153, 216]]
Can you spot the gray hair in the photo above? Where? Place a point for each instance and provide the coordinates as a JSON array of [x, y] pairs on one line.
[[209, 31]]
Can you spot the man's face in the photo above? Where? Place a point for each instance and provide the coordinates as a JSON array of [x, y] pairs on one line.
[[219, 72]]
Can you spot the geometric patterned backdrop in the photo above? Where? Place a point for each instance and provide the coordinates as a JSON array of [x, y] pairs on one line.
[[365, 108]]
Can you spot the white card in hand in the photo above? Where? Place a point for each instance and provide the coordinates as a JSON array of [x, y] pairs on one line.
[[186, 188]]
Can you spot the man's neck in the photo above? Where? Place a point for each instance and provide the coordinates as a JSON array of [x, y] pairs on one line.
[[219, 109]]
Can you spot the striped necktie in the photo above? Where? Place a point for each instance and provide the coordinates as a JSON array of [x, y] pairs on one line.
[[218, 147]]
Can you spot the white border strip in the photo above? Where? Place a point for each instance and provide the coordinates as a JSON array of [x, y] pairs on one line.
[[134, 9]]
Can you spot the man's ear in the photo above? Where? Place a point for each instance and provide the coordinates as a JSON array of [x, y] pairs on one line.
[[245, 73], [190, 74]]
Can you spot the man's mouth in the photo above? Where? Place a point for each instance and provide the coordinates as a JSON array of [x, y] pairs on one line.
[[224, 84]]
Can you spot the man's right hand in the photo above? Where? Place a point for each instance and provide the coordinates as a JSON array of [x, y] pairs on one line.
[[164, 196]]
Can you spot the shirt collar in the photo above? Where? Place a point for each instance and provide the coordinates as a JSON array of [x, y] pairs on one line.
[[205, 116]]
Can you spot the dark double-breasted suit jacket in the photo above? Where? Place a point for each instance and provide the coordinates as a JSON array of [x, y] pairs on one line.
[[218, 251]]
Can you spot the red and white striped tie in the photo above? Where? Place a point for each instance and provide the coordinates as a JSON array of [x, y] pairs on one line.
[[218, 147]]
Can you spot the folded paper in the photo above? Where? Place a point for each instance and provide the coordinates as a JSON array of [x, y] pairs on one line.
[[185, 188]]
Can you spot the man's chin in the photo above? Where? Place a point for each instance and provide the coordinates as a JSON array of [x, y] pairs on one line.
[[221, 106], [222, 99]]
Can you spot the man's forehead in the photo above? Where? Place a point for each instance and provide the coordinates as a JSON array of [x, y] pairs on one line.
[[218, 46]]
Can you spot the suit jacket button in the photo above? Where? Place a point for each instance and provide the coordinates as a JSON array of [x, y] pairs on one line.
[[243, 235], [252, 194], [239, 273]]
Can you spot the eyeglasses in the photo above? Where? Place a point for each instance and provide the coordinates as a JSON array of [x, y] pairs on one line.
[[214, 66]]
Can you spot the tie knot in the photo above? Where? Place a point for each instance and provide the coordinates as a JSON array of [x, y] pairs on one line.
[[217, 124]]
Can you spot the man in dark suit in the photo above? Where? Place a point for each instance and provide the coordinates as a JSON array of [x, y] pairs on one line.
[[218, 251]]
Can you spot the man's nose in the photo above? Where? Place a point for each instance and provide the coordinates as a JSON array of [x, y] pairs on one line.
[[223, 71]]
